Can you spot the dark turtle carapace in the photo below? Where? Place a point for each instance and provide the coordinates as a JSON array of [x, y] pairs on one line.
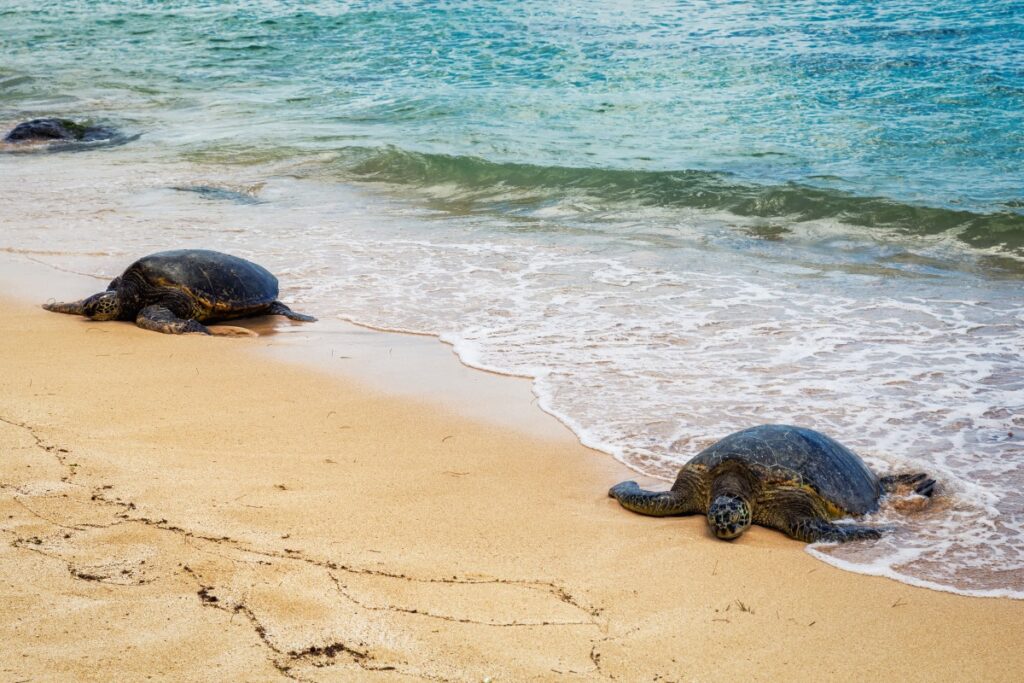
[[792, 479], [177, 291], [61, 130]]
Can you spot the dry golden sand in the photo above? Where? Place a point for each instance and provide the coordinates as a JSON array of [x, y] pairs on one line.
[[182, 508]]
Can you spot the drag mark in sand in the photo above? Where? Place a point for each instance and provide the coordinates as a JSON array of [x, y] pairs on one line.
[[282, 660], [373, 622]]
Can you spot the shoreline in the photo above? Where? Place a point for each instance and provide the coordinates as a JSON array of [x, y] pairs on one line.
[[176, 505], [347, 251]]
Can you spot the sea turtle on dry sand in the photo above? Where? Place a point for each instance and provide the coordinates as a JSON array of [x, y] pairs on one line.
[[792, 479], [177, 291], [62, 130]]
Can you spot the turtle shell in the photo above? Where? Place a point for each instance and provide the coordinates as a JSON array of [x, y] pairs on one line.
[[222, 283], [58, 129], [805, 456]]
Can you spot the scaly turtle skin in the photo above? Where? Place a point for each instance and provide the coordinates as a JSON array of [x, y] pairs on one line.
[[177, 291], [46, 130], [792, 479]]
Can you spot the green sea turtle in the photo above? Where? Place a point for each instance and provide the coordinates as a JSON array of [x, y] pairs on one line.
[[792, 479], [58, 129], [177, 291]]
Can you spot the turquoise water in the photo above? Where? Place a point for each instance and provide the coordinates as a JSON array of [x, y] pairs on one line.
[[677, 219], [774, 109]]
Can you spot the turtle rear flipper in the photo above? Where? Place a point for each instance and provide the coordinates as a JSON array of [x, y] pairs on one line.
[[161, 319], [278, 308], [905, 484]]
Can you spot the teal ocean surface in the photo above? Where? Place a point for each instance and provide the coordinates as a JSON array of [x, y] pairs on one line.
[[679, 219], [869, 112]]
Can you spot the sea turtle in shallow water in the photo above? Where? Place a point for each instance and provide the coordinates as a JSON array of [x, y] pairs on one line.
[[51, 129], [792, 479], [177, 291]]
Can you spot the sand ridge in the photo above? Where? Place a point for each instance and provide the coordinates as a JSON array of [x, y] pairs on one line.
[[180, 508]]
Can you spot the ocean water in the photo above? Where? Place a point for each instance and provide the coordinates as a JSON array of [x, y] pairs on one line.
[[678, 219]]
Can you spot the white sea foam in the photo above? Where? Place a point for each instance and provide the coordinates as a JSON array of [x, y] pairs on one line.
[[651, 335]]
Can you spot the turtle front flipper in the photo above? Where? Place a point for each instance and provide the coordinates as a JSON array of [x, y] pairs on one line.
[[653, 503], [161, 319], [802, 514], [278, 308], [72, 308], [814, 530]]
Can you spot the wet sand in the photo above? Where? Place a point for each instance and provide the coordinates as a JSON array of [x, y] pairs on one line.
[[188, 508]]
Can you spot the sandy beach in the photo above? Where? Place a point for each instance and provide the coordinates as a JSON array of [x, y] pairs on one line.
[[187, 508]]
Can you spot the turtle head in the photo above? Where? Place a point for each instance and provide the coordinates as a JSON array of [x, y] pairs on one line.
[[729, 516], [103, 306]]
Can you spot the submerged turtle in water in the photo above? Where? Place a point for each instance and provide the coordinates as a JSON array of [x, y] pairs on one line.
[[177, 291], [51, 129], [792, 479]]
